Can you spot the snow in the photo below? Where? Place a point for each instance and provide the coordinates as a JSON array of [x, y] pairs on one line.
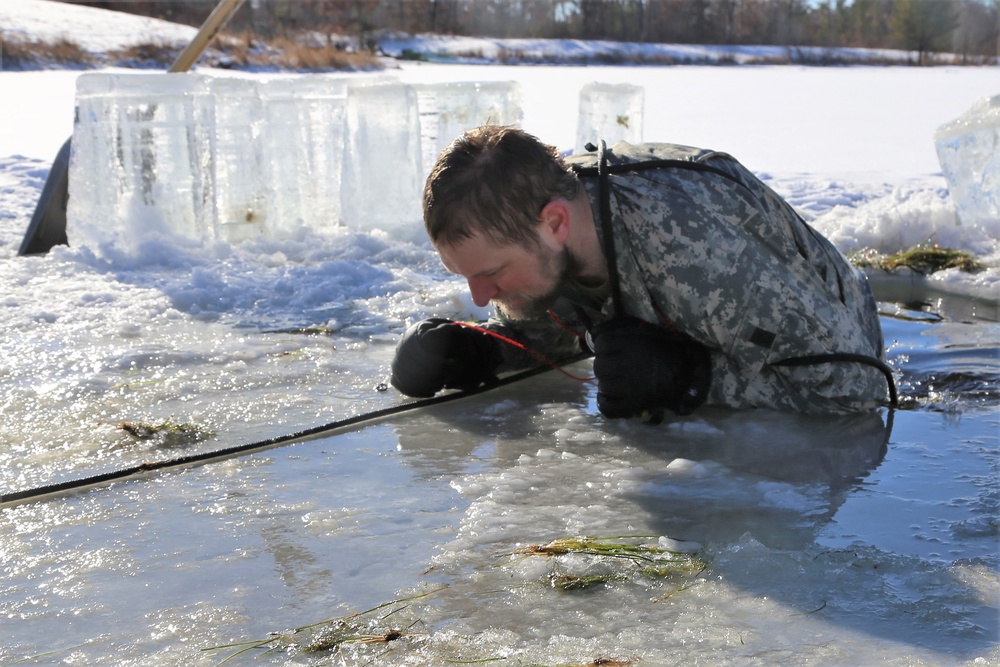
[[94, 30], [486, 50]]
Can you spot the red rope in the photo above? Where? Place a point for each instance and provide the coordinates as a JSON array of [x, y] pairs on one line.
[[522, 346], [562, 325]]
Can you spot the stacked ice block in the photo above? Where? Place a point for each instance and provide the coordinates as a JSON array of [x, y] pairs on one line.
[[202, 159], [448, 109], [141, 159], [381, 182]]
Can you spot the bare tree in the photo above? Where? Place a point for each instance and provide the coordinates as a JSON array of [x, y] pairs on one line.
[[978, 29], [923, 26], [968, 27]]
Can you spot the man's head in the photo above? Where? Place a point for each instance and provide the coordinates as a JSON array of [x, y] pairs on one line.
[[497, 209], [494, 181]]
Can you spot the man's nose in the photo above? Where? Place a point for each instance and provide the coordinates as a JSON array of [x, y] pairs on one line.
[[483, 291]]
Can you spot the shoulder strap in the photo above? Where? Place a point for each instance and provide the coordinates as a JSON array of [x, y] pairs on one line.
[[603, 171], [604, 197], [655, 163]]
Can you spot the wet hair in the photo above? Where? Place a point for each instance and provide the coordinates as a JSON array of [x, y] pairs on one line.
[[494, 180]]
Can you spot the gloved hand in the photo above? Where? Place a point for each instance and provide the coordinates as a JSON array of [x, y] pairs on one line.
[[437, 353], [643, 368]]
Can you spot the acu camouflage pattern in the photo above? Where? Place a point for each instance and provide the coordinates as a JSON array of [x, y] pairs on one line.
[[724, 259]]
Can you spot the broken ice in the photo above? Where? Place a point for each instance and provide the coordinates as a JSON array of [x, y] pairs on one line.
[[968, 149], [609, 112], [449, 109], [140, 159]]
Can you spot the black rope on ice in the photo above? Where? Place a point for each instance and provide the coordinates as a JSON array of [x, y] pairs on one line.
[[229, 452], [846, 356]]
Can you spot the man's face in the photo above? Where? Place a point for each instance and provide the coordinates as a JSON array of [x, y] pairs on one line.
[[523, 282]]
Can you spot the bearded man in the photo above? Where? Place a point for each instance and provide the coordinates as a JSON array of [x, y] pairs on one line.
[[687, 278]]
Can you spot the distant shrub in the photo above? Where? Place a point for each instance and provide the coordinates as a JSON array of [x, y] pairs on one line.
[[17, 53], [763, 60], [14, 54], [228, 52], [154, 55], [503, 56], [517, 57], [67, 51], [410, 54], [291, 54]]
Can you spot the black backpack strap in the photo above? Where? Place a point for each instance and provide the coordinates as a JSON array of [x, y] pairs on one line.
[[656, 163], [604, 197]]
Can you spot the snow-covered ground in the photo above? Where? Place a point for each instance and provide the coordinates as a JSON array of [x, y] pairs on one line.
[[92, 29], [861, 540]]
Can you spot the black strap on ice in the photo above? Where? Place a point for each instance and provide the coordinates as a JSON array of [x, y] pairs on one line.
[[238, 450], [604, 195], [603, 172], [847, 356]]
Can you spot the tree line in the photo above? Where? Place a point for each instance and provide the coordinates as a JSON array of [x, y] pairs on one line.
[[970, 28]]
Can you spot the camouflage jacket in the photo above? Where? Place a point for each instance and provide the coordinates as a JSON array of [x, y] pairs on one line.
[[704, 244]]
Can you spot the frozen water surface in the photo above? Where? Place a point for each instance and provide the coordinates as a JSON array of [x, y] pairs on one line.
[[847, 540], [869, 539], [822, 541]]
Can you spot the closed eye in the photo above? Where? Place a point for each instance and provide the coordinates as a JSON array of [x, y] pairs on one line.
[[491, 274]]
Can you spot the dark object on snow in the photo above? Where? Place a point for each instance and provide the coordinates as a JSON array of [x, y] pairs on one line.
[[48, 224]]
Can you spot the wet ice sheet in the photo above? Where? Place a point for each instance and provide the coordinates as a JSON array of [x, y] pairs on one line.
[[821, 545], [816, 553]]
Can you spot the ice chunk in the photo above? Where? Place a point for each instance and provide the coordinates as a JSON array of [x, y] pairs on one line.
[[678, 546], [381, 184], [968, 149], [449, 109], [201, 158], [303, 136], [237, 163], [140, 162], [687, 467], [612, 112]]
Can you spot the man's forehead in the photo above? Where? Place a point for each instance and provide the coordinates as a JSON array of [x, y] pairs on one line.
[[472, 256]]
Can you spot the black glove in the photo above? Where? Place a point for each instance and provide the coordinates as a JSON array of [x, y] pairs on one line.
[[643, 368], [437, 353]]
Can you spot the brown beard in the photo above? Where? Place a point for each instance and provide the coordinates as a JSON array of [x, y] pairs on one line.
[[565, 269]]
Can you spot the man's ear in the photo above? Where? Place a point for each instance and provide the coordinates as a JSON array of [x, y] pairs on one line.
[[554, 224]]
